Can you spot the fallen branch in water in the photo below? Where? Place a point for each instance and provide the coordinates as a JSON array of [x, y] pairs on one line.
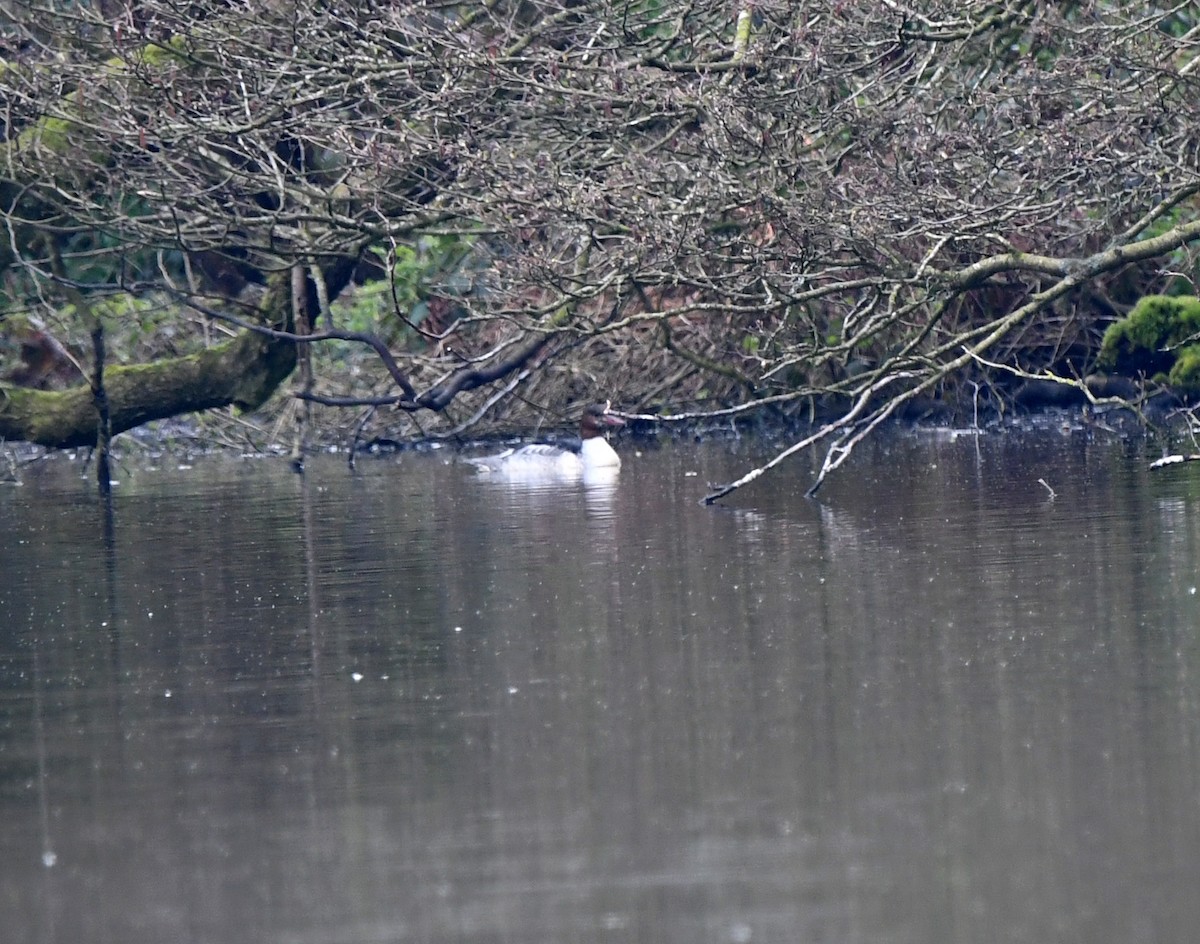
[[924, 371], [1173, 460]]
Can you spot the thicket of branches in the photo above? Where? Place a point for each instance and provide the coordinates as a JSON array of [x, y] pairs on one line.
[[838, 210]]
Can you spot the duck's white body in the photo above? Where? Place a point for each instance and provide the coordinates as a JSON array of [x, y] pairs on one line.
[[539, 461], [593, 454]]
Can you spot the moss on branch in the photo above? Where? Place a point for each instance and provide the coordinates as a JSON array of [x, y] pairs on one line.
[[1157, 339], [243, 372]]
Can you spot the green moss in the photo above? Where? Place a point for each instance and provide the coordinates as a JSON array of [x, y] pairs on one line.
[[52, 132], [157, 55], [1154, 337], [1185, 375]]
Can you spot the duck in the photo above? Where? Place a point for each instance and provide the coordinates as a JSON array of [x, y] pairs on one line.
[[544, 461]]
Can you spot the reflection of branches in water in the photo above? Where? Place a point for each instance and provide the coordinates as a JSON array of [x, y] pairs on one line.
[[841, 533]]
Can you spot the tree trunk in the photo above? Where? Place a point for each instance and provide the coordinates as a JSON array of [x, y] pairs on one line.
[[243, 372]]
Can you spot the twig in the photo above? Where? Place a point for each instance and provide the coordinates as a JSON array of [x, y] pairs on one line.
[[488, 404]]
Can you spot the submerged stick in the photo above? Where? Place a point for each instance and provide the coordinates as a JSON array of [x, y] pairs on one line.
[[1173, 460]]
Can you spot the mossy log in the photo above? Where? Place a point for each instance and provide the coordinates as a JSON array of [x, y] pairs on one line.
[[243, 372]]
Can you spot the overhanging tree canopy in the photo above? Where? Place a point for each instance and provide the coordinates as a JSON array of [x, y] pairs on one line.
[[838, 206]]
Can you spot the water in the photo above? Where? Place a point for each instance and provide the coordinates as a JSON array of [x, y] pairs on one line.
[[409, 704]]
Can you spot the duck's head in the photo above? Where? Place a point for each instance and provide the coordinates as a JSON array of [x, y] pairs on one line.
[[596, 418]]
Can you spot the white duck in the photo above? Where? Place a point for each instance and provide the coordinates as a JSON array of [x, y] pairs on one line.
[[541, 461]]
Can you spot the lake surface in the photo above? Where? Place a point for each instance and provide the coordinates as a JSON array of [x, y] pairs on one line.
[[938, 706]]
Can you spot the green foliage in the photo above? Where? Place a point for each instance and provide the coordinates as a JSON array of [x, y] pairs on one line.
[[1157, 336], [433, 265], [364, 308]]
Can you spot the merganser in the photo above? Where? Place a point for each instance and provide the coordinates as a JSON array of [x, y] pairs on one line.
[[557, 462]]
